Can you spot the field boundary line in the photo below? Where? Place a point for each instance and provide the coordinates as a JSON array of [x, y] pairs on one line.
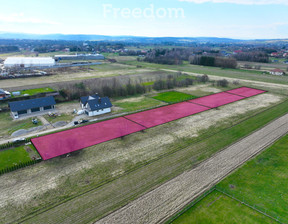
[[244, 203], [135, 122], [190, 205]]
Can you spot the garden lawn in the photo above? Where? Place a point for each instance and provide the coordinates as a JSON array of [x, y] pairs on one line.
[[173, 97], [219, 208], [13, 156], [141, 104], [263, 181], [32, 92]]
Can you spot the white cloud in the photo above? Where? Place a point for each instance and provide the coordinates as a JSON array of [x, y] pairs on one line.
[[242, 2], [21, 18]]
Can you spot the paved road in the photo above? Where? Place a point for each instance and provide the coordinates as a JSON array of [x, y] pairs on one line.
[[166, 200]]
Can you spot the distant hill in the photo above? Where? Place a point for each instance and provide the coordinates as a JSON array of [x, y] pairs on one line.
[[87, 37]]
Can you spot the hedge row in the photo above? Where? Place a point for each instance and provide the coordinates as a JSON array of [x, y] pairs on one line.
[[18, 166], [14, 144]]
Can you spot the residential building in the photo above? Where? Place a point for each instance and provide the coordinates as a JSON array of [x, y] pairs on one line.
[[29, 107], [277, 71], [4, 94], [95, 105]]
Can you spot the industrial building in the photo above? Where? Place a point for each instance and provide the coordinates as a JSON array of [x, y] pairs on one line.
[[26, 62], [80, 57], [32, 106]]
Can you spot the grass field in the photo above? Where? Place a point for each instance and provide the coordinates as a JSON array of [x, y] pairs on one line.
[[186, 151], [14, 156], [173, 97], [32, 92], [137, 103], [219, 208], [262, 182], [8, 125], [229, 73]]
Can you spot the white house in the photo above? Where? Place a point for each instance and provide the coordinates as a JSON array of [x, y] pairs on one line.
[[277, 71], [4, 94], [95, 105]]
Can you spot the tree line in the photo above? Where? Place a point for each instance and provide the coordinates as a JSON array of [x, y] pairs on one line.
[[213, 61]]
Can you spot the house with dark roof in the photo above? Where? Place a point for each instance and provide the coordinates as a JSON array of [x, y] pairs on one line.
[[32, 106], [95, 105], [4, 94]]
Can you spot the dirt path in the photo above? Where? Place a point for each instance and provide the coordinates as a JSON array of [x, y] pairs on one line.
[[45, 122], [164, 201]]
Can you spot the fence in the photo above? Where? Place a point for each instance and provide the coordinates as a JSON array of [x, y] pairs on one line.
[[194, 202], [249, 204]]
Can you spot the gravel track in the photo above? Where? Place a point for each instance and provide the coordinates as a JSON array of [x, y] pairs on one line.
[[161, 203]]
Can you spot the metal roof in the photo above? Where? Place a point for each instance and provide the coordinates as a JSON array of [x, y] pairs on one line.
[[32, 103], [29, 61], [96, 102]]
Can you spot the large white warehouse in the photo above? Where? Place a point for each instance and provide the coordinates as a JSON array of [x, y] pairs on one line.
[[27, 62]]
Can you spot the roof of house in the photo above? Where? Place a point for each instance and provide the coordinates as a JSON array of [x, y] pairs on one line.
[[32, 103], [277, 70], [96, 102], [2, 91]]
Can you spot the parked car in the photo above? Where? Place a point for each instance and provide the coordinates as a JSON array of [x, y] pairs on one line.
[[19, 140]]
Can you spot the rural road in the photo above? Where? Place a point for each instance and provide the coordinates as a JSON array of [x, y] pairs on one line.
[[166, 200]]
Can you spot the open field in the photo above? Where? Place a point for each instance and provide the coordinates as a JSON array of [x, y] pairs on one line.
[[173, 97], [262, 183], [219, 208], [75, 77], [252, 184], [229, 73], [49, 183], [165, 200]]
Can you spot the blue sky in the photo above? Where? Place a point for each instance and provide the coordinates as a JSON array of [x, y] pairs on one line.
[[247, 19]]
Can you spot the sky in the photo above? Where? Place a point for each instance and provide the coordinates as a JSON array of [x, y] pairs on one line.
[[240, 19]]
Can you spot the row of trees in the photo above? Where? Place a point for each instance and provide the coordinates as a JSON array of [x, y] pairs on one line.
[[7, 49], [213, 61], [256, 56], [121, 87]]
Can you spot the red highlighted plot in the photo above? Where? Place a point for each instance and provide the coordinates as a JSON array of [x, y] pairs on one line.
[[64, 142], [216, 100], [166, 114], [245, 91]]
